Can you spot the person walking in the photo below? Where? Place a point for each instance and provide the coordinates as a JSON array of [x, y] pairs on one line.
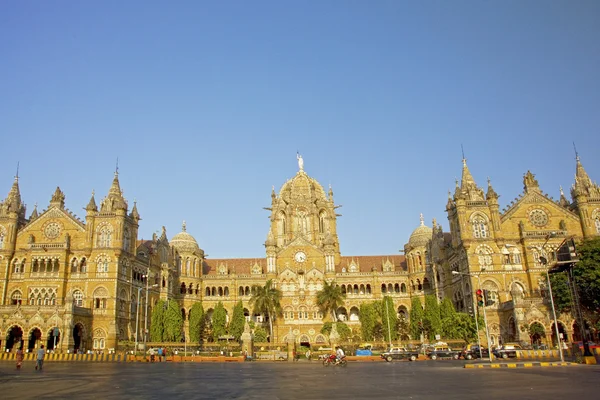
[[39, 361], [20, 357]]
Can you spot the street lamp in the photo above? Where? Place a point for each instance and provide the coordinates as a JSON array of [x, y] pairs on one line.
[[137, 318], [147, 277], [544, 261], [487, 334]]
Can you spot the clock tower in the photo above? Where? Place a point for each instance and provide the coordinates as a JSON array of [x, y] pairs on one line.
[[303, 232]]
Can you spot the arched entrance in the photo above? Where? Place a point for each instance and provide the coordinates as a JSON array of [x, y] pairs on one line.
[[537, 332], [53, 338], [14, 337], [77, 337], [34, 336]]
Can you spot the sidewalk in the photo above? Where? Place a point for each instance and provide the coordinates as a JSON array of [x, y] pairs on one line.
[[523, 364]]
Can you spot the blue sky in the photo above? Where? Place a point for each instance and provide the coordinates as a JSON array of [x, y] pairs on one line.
[[206, 103]]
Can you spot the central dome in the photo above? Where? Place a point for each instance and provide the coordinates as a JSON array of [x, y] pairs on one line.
[[184, 242], [302, 187], [420, 236]]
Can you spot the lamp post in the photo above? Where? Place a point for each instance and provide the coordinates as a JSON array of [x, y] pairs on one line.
[[544, 261], [387, 313], [137, 318], [147, 277], [487, 333]]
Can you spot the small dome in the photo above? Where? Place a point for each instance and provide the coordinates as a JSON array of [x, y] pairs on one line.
[[184, 242], [421, 235]]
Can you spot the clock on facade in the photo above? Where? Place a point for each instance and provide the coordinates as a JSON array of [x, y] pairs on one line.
[[300, 257]]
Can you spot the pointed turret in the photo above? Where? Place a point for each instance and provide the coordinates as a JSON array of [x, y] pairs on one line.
[[583, 184], [91, 206], [586, 199], [468, 188], [467, 179], [12, 203], [134, 212], [330, 194], [114, 201], [34, 213], [491, 193]]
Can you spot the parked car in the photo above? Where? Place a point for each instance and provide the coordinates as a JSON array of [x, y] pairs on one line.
[[507, 350], [400, 353], [443, 352], [471, 351]]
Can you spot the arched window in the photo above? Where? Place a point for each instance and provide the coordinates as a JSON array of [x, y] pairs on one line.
[[78, 298], [74, 265], [15, 298], [102, 266], [187, 267], [99, 339], [2, 236], [83, 266], [484, 254], [322, 222], [596, 222], [403, 288], [517, 291], [126, 239], [480, 228], [383, 288], [100, 298], [104, 236], [281, 226]]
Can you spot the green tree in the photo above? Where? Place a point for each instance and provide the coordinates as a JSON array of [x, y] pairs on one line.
[[563, 300], [586, 274], [403, 328], [267, 300], [197, 322], [343, 330], [448, 320], [368, 319], [330, 298], [431, 317], [236, 326], [219, 321], [260, 335], [389, 320], [416, 317], [157, 324], [173, 323]]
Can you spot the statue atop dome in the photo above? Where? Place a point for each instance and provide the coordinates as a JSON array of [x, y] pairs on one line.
[[300, 161]]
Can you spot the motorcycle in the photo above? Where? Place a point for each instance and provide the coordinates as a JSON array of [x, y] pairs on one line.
[[333, 360]]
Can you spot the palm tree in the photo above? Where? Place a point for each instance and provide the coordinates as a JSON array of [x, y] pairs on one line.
[[266, 300], [330, 298]]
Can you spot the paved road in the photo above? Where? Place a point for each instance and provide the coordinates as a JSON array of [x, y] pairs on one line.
[[254, 380]]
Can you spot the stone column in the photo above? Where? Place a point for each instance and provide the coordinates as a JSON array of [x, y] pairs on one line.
[[291, 344], [247, 344]]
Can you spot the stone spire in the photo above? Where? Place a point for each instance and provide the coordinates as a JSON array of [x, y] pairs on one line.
[[468, 187], [583, 184], [491, 193], [34, 213], [330, 194], [92, 207], [114, 200], [13, 200], [134, 212]]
